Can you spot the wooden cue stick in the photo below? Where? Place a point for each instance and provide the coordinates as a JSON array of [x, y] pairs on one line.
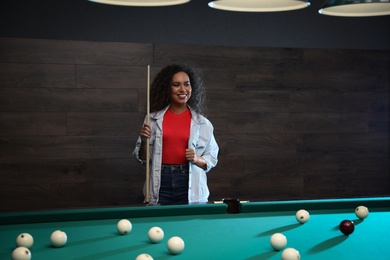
[[147, 139]]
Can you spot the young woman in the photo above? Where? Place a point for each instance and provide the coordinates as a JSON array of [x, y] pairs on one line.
[[182, 144]]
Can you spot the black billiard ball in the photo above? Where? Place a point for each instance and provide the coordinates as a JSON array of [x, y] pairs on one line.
[[347, 227]]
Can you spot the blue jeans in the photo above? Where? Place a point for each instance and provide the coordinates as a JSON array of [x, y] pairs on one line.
[[174, 184]]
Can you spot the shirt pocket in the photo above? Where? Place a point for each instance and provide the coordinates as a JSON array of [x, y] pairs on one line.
[[200, 146]]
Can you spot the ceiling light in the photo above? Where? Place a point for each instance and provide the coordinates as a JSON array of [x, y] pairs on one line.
[[259, 5], [356, 8], [141, 2]]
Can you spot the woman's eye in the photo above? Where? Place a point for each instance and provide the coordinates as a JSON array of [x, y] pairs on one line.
[[186, 84]]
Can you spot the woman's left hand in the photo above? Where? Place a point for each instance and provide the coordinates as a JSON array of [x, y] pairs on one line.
[[190, 155], [198, 160]]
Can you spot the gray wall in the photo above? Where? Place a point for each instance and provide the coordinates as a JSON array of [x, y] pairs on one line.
[[192, 23]]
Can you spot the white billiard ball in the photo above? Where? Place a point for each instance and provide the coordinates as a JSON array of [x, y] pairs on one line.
[[21, 253], [124, 226], [58, 238], [175, 245], [144, 257], [302, 216], [361, 212], [278, 241], [290, 254], [25, 239], [155, 234]]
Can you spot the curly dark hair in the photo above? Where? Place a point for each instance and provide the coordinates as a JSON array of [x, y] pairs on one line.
[[161, 88]]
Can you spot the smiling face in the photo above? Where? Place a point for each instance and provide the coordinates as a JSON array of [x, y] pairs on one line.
[[180, 90]]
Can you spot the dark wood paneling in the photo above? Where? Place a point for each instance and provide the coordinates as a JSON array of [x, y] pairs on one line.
[[257, 144], [250, 101], [217, 79], [290, 123], [18, 148], [54, 100], [74, 52], [52, 184], [64, 195], [32, 123], [43, 171], [25, 75], [306, 122], [103, 124], [348, 184], [112, 77], [224, 57], [347, 143]]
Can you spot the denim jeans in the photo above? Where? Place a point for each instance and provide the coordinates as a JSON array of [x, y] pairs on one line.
[[174, 184]]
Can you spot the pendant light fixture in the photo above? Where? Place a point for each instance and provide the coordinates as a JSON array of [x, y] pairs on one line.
[[141, 3], [356, 8], [259, 5]]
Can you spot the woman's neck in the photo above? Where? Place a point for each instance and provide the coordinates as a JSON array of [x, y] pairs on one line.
[[177, 109]]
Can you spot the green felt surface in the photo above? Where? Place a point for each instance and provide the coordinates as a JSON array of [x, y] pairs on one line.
[[210, 233]]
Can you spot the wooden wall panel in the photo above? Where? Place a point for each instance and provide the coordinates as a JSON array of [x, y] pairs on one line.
[[290, 123], [65, 147], [232, 102], [110, 77], [70, 99], [103, 123], [224, 57], [26, 75], [43, 171], [74, 52], [64, 195], [32, 123], [305, 122]]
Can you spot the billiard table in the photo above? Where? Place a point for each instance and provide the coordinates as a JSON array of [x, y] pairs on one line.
[[209, 231]]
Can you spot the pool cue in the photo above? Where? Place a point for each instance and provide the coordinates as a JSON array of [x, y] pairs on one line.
[[147, 139]]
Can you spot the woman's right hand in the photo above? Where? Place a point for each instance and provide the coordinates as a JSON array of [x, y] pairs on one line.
[[145, 132]]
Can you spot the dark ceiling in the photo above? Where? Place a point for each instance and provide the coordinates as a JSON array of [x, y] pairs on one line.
[[191, 23]]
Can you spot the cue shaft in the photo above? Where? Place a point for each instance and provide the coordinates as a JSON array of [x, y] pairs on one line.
[[147, 139]]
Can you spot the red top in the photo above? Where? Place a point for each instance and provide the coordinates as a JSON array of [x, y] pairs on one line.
[[176, 132]]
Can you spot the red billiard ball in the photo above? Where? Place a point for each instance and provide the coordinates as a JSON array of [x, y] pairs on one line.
[[347, 227]]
